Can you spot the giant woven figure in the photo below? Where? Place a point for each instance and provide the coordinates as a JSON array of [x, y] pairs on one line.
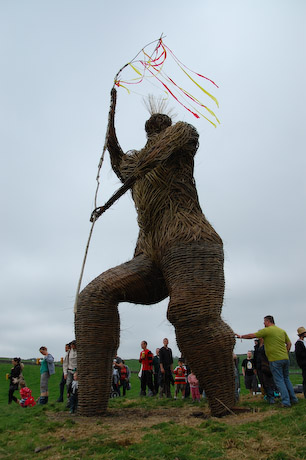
[[178, 254]]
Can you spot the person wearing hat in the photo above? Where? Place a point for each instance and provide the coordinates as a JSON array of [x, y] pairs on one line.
[[300, 353]]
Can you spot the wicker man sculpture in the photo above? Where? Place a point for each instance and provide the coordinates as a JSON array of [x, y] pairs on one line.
[[178, 254]]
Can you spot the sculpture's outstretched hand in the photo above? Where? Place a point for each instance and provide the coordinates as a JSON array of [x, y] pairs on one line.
[[96, 213]]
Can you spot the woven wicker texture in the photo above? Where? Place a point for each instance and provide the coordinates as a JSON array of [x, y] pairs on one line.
[[178, 254]]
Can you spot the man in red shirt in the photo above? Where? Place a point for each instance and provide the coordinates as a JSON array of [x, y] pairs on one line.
[[146, 360]]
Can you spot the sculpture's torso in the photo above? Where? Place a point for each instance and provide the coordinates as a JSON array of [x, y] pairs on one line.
[[167, 203]]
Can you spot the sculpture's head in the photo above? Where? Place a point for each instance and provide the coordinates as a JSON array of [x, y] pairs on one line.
[[157, 123]]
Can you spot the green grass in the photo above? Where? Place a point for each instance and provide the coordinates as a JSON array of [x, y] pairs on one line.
[[128, 433]]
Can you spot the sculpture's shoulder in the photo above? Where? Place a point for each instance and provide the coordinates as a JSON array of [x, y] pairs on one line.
[[129, 162], [184, 135]]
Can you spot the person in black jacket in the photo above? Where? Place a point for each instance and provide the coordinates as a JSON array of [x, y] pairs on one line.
[[300, 353], [166, 369], [14, 376]]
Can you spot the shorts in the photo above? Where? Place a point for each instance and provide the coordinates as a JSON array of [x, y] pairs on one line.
[[44, 379], [180, 386], [250, 382]]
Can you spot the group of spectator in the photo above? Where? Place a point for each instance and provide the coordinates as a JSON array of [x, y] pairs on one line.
[[271, 362], [17, 381], [121, 377], [157, 374]]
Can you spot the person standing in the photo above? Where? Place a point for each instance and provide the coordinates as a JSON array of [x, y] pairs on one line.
[[124, 373], [71, 363], [268, 385], [156, 370], [63, 379], [237, 377], [194, 387], [14, 376], [146, 360], [46, 369], [166, 368], [277, 347], [180, 379], [300, 353], [257, 364], [249, 373]]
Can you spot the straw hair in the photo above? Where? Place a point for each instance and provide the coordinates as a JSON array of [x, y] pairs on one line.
[[157, 105]]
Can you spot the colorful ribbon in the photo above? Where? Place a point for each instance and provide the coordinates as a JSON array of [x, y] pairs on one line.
[[154, 65]]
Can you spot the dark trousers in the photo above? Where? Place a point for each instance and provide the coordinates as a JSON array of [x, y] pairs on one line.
[[62, 388], [146, 380], [11, 396], [123, 385], [156, 382], [165, 383]]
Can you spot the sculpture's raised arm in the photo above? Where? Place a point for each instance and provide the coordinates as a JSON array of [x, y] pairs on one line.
[[115, 151]]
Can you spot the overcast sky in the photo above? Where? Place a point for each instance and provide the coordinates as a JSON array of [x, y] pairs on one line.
[[58, 62]]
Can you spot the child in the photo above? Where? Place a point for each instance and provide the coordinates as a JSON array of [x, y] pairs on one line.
[[180, 378], [115, 382], [194, 387], [27, 399], [124, 377], [73, 393]]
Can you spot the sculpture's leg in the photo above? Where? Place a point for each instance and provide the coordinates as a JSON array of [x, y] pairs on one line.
[[195, 279], [97, 325]]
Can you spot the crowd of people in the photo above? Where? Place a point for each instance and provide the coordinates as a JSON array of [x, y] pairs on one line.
[[265, 369], [157, 374], [270, 362], [47, 369]]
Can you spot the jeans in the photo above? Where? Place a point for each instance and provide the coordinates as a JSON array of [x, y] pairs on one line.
[[280, 372], [304, 380]]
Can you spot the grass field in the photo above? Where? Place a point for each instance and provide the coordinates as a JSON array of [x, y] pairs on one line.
[[148, 428]]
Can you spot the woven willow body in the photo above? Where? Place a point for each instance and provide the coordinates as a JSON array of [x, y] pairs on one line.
[[178, 254]]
